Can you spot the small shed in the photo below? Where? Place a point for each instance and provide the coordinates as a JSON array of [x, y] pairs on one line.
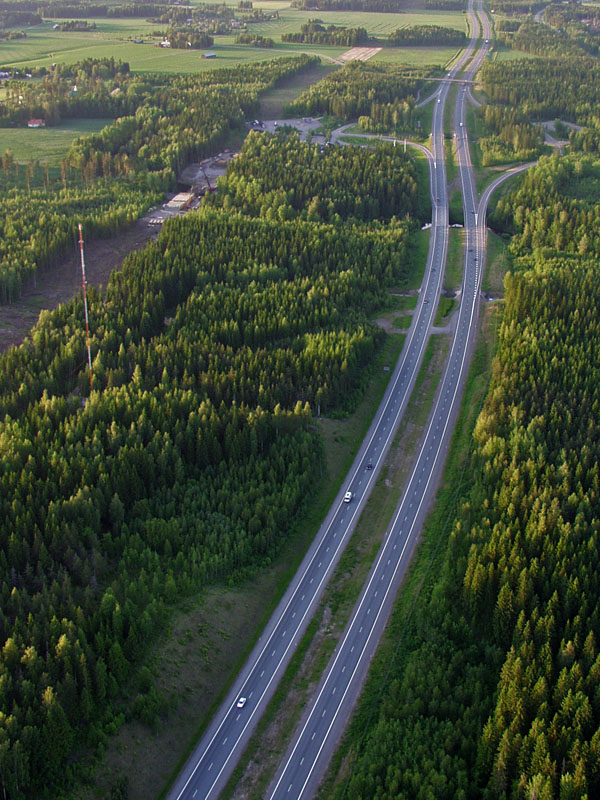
[[36, 123]]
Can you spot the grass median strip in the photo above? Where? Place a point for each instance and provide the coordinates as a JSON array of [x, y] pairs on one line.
[[268, 745], [401, 635]]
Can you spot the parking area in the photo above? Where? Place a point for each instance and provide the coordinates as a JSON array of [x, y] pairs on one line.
[[303, 125]]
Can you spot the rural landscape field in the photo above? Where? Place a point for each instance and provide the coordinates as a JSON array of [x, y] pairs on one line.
[[299, 355]]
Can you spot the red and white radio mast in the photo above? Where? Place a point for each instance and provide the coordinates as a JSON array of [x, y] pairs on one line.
[[85, 305]]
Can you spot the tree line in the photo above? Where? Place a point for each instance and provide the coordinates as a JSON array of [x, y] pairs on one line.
[[426, 36], [254, 39], [315, 33]]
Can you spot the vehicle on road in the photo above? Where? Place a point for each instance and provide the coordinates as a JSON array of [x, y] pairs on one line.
[[347, 497], [241, 702]]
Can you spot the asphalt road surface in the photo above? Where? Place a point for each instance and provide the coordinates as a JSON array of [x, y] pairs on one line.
[[214, 759], [217, 754], [316, 739]]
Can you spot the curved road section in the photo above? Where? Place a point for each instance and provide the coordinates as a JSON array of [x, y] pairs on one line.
[[315, 741], [215, 757]]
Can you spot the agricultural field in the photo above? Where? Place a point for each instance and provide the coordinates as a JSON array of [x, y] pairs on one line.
[[48, 145], [114, 37], [267, 5], [291, 19]]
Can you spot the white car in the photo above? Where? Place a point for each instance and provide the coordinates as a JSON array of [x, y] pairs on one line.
[[241, 702], [347, 497]]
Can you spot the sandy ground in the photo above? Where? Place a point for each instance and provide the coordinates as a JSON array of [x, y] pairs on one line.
[[359, 54]]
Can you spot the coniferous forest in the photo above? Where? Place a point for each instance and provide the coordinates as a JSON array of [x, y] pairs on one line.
[[193, 453], [508, 706]]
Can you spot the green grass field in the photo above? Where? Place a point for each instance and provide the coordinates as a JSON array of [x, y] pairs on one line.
[[416, 56], [291, 19], [47, 145], [44, 46]]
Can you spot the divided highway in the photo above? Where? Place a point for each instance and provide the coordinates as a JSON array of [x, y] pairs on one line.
[[214, 759], [314, 742], [217, 754]]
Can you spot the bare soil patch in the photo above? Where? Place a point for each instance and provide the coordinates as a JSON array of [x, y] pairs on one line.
[[59, 284], [360, 53]]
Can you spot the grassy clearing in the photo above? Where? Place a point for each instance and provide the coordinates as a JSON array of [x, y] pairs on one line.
[[47, 145], [268, 744], [415, 56], [400, 636], [273, 101], [506, 54]]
